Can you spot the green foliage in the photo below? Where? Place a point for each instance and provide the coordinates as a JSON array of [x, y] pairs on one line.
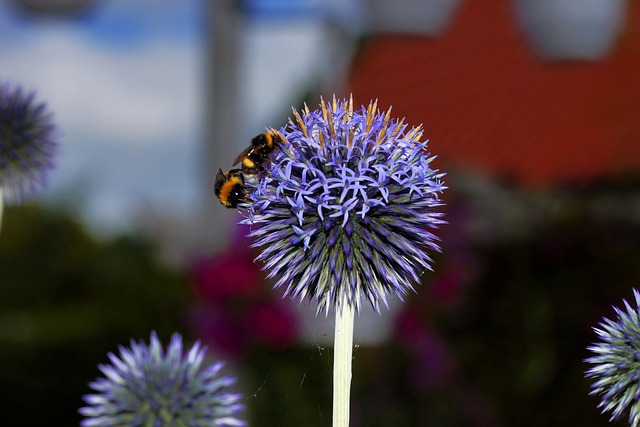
[[496, 336], [289, 387], [66, 300], [521, 332]]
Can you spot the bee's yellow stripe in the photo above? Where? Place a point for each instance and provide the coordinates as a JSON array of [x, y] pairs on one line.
[[269, 139], [227, 187]]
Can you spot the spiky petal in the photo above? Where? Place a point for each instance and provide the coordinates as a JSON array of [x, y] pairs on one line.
[[346, 210], [146, 386], [616, 364]]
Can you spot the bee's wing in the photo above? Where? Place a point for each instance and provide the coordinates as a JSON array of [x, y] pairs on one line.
[[242, 154]]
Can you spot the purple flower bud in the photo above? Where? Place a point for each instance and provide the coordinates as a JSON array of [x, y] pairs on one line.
[[146, 386], [27, 143], [616, 363]]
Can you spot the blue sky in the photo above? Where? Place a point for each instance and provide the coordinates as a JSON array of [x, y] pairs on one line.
[[123, 23], [125, 83]]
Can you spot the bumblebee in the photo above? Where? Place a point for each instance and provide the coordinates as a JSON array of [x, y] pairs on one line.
[[230, 188], [254, 157]]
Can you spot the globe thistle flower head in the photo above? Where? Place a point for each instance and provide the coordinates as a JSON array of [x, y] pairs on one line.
[[616, 363], [27, 143], [146, 386], [347, 207]]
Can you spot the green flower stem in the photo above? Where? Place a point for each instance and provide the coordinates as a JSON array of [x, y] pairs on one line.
[[342, 354], [1, 206]]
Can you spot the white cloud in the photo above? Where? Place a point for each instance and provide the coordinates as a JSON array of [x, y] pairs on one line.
[[279, 62], [131, 118], [146, 95]]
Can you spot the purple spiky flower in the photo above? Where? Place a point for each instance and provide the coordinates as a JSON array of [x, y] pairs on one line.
[[27, 143], [346, 208], [146, 386], [616, 364]]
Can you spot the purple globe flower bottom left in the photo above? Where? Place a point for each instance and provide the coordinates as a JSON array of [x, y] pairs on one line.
[[146, 386]]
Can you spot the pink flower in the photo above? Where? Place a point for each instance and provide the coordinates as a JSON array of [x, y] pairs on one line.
[[220, 332], [225, 275], [435, 363], [448, 287], [273, 322]]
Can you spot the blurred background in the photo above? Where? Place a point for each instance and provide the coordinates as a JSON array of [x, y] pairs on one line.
[[530, 105]]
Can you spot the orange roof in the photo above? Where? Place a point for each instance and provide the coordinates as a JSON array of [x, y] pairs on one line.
[[487, 102]]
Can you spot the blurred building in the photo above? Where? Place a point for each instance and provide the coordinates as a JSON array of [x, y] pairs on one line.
[[490, 103]]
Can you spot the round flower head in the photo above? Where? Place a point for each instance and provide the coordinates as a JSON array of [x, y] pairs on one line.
[[145, 386], [616, 364], [27, 143], [345, 208]]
